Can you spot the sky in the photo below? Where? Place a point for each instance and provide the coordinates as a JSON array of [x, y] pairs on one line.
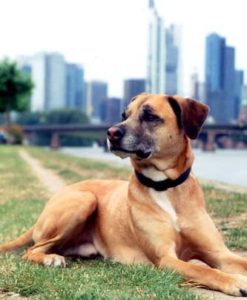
[[109, 37]]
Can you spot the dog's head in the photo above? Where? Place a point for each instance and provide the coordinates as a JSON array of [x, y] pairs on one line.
[[155, 125]]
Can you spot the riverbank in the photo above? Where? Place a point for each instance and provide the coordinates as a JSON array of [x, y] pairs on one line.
[[226, 167]]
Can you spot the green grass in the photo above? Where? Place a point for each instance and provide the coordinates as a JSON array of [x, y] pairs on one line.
[[229, 211], [224, 204], [22, 199], [93, 279]]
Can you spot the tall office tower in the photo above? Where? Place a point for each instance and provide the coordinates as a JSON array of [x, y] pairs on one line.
[[75, 87], [110, 110], [37, 68], [156, 52], [197, 88], [243, 110], [220, 78], [164, 59], [239, 88], [173, 60], [96, 91], [132, 87], [55, 81]]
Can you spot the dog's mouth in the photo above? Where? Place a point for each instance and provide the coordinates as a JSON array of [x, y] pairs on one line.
[[139, 153]]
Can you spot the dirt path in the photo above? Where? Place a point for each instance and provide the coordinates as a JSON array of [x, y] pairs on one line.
[[48, 178], [53, 183]]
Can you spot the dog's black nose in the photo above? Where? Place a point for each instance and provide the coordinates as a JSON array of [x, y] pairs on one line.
[[115, 133]]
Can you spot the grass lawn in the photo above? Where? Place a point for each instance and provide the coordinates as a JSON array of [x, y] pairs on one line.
[[22, 199]]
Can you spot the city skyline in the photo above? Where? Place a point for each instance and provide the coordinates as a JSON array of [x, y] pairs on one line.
[[109, 38]]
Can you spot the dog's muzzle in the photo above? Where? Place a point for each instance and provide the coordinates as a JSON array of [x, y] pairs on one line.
[[115, 136]]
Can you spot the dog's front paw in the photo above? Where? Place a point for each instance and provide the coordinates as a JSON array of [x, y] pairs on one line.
[[237, 286], [54, 260]]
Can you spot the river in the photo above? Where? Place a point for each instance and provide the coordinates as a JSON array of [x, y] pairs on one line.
[[226, 166]]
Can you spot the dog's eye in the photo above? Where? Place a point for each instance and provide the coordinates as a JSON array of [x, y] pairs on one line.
[[149, 117], [124, 116]]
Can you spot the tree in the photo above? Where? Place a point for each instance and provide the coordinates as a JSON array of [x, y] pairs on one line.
[[58, 116], [15, 89]]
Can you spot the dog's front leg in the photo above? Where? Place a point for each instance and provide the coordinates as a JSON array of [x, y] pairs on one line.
[[205, 240], [232, 284], [232, 263]]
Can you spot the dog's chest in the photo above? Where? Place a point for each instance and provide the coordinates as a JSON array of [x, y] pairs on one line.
[[162, 200]]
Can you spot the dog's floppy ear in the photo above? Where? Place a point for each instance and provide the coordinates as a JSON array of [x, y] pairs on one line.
[[190, 114]]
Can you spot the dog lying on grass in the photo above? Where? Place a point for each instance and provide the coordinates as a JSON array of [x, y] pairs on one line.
[[157, 218]]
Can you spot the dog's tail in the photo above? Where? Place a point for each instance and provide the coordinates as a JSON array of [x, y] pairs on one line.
[[21, 241]]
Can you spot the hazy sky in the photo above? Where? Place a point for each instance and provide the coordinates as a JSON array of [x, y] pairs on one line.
[[109, 37]]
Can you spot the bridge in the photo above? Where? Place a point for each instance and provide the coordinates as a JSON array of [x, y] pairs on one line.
[[210, 135]]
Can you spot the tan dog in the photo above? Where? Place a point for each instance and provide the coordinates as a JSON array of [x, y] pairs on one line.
[[158, 218]]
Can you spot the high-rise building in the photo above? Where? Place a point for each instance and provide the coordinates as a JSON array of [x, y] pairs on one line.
[[37, 68], [110, 110], [55, 81], [223, 84], [75, 87], [164, 59], [243, 110], [96, 91], [132, 87], [239, 88], [156, 52], [173, 60], [197, 88]]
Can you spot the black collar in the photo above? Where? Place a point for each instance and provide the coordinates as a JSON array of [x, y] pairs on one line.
[[164, 184]]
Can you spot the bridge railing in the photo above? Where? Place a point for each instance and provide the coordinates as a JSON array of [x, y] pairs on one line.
[[211, 136]]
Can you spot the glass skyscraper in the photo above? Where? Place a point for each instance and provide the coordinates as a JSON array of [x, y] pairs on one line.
[[164, 60], [132, 87], [75, 87], [96, 92], [222, 86]]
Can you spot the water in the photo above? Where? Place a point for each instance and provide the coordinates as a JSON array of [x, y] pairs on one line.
[[226, 166]]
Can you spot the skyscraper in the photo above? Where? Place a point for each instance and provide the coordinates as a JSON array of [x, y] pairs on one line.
[[75, 87], [55, 81], [133, 87], [164, 59], [96, 91], [156, 52], [222, 88], [37, 66], [110, 110], [197, 88], [238, 93], [173, 60]]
